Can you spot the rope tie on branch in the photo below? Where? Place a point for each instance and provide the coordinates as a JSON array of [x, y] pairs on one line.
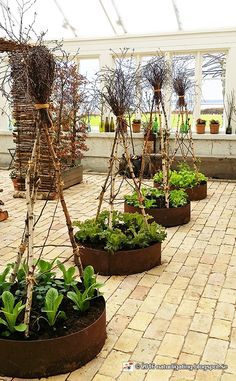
[[157, 90], [30, 279], [40, 106]]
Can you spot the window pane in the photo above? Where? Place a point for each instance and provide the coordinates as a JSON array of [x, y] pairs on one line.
[[185, 63], [212, 100]]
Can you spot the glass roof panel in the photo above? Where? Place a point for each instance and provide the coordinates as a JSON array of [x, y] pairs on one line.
[[94, 18], [207, 14]]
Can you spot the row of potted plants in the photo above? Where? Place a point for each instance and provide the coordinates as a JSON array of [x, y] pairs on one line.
[[201, 125]]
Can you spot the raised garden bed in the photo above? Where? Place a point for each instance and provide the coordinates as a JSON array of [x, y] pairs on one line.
[[196, 193], [83, 339], [178, 213], [122, 262], [167, 217], [72, 176], [127, 246], [193, 182]]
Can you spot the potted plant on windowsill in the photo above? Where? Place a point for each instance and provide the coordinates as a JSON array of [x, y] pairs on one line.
[[136, 125], [178, 212], [193, 182], [214, 126], [126, 246], [200, 126]]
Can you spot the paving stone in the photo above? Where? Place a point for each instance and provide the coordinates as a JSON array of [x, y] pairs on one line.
[[174, 296], [141, 321], [195, 343], [227, 295], [180, 282], [187, 307], [201, 323], [220, 329], [171, 345], [112, 365], [87, 372], [212, 291], [148, 280], [157, 329], [151, 304], [139, 292], [146, 350], [109, 344], [193, 292], [179, 325], [128, 340], [215, 351], [130, 307], [118, 324], [161, 374], [101, 377], [224, 311]]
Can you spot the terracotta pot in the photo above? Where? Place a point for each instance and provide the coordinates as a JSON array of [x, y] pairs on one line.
[[136, 127], [200, 128], [167, 217], [214, 128], [42, 358], [199, 192], [3, 215], [14, 182], [122, 262]]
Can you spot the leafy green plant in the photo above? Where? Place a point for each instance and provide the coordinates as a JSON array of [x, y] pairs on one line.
[[51, 308], [178, 198], [214, 121], [80, 298], [90, 280], [11, 311], [21, 272], [45, 273], [128, 231], [4, 284], [68, 274], [185, 177], [154, 198], [201, 121]]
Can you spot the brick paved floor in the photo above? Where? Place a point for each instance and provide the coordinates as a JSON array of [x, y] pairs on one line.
[[182, 312]]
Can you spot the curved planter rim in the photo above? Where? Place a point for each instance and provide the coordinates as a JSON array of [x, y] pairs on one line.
[[167, 217], [122, 262], [196, 193]]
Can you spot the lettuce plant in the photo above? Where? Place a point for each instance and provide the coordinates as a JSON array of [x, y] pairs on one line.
[[11, 310], [128, 231]]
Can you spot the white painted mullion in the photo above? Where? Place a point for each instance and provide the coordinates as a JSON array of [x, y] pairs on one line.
[[198, 88]]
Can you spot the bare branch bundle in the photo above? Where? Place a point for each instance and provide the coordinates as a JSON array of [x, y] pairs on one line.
[[116, 87], [157, 74], [181, 84], [41, 74]]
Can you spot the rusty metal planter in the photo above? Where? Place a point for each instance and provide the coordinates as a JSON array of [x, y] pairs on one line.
[[167, 217], [42, 358], [122, 262], [199, 192]]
